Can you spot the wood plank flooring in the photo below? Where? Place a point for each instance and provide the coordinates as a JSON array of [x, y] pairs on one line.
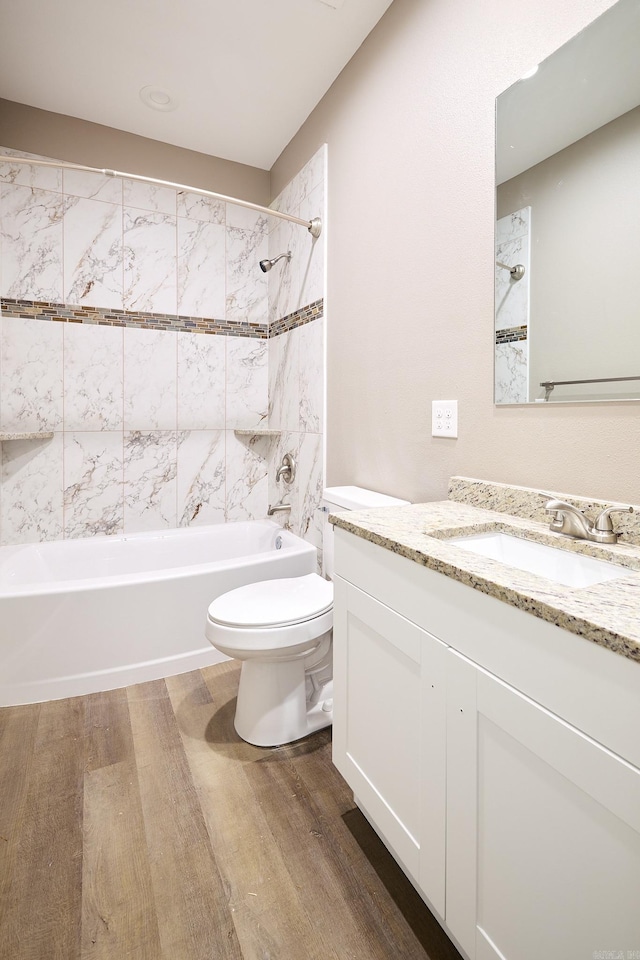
[[136, 824]]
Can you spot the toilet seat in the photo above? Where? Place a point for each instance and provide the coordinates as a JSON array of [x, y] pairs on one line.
[[276, 619], [273, 603]]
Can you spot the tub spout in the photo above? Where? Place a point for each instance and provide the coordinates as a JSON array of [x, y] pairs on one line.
[[278, 508]]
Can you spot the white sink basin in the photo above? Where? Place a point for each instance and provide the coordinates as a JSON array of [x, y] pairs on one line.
[[561, 566]]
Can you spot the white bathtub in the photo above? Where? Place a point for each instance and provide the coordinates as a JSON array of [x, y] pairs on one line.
[[79, 616]]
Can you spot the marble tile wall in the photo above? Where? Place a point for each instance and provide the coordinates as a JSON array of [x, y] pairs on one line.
[[512, 308], [84, 239], [143, 429], [297, 356], [144, 420]]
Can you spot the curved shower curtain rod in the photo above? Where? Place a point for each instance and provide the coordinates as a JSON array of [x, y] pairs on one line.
[[313, 226]]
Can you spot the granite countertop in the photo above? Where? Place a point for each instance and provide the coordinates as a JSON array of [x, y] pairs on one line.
[[607, 613]]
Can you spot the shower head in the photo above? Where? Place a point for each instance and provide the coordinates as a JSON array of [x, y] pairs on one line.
[[265, 265]]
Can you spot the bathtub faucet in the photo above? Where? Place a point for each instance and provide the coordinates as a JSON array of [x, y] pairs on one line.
[[278, 508], [287, 469]]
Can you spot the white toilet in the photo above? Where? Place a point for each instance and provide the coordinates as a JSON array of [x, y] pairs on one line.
[[282, 631]]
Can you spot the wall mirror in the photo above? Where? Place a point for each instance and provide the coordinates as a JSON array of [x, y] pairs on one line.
[[567, 304]]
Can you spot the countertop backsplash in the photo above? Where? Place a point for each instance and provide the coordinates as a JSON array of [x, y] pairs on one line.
[[529, 503]]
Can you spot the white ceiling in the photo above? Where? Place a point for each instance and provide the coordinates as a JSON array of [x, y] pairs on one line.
[[246, 73]]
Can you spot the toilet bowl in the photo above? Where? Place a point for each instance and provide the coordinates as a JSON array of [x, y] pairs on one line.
[[281, 630]]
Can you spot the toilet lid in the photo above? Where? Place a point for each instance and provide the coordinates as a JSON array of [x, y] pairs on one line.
[[273, 603]]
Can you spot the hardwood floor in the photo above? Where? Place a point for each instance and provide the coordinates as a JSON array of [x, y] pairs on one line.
[[136, 824]]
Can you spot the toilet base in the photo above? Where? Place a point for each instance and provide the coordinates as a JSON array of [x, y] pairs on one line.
[[272, 707]]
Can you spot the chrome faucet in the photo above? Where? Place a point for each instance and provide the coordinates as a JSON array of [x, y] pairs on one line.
[[572, 522]]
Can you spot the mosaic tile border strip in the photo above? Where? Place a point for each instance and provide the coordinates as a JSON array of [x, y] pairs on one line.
[[313, 311], [511, 334], [104, 316]]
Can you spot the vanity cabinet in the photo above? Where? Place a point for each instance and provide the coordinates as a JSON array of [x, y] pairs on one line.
[[389, 730], [543, 829], [495, 754]]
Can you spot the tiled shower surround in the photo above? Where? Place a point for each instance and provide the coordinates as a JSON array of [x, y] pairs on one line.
[[513, 244], [136, 327]]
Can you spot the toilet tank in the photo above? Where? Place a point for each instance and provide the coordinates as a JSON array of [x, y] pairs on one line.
[[339, 499]]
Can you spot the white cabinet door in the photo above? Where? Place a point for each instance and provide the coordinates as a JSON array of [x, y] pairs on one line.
[[543, 830], [388, 730]]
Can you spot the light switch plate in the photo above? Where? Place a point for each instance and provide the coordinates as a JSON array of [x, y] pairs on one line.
[[444, 418]]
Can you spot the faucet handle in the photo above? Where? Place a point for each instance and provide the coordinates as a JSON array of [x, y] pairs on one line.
[[557, 506], [287, 469], [603, 520]]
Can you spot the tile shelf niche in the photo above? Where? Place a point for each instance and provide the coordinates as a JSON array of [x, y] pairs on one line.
[[39, 435], [258, 432]]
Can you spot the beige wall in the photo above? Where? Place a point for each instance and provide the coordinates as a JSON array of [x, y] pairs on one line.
[[410, 131], [78, 141]]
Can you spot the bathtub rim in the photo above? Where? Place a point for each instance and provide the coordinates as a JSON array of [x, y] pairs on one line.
[[296, 547]]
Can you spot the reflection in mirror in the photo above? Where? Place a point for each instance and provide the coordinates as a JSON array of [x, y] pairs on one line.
[[568, 213]]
